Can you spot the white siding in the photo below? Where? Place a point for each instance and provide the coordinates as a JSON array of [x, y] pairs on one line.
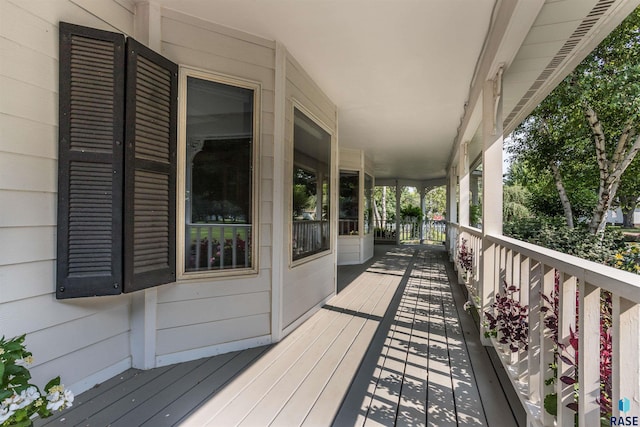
[[355, 249], [87, 340], [309, 284], [199, 318], [349, 250], [367, 247], [81, 340], [350, 159]]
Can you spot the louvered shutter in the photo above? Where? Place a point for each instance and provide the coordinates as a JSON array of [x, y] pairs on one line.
[[150, 163], [91, 101]]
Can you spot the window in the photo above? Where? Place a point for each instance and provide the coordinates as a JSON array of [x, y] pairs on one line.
[[116, 163], [368, 204], [349, 191], [311, 178], [219, 135]]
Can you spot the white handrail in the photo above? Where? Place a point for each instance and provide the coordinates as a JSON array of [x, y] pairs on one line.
[[535, 271]]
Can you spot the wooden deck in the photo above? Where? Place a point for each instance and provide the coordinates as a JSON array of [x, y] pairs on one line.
[[392, 348]]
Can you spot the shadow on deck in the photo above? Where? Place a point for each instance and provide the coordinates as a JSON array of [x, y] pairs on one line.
[[394, 347]]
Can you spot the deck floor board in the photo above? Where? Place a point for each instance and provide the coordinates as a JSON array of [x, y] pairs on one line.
[[392, 348]]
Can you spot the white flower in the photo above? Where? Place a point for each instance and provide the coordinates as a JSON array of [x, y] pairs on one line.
[[31, 394], [5, 411], [59, 398], [467, 306], [25, 362]]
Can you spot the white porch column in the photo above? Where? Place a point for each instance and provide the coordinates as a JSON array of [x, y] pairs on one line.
[[144, 304], [397, 212], [452, 208], [279, 230], [492, 186], [423, 210], [463, 174]]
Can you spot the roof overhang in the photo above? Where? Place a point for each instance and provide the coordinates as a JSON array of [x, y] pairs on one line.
[[407, 75]]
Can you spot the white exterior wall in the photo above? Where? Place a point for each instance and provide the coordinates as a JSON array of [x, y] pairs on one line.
[[88, 340], [307, 284], [198, 318], [85, 341]]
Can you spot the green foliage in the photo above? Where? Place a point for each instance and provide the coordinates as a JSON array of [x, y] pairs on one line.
[[627, 259], [410, 212], [475, 215], [19, 399], [301, 199], [553, 234], [516, 202], [436, 200], [551, 404]]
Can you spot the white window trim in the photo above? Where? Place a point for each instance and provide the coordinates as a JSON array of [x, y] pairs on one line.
[[182, 275]]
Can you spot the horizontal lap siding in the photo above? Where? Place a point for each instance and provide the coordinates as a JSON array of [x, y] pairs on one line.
[[349, 250], [309, 284], [74, 339], [196, 316]]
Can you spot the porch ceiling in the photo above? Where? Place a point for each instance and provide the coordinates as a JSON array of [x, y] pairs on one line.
[[401, 71]]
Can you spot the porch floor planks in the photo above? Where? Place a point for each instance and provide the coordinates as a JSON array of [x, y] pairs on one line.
[[389, 349], [272, 388]]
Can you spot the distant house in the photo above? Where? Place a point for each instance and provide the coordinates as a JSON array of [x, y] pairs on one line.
[[615, 217]]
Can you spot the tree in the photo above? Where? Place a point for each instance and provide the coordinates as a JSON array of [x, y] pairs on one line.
[[516, 202], [585, 131], [609, 82], [436, 201], [628, 195]]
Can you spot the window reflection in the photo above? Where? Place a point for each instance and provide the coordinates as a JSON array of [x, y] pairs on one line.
[[218, 189], [349, 192], [311, 177]]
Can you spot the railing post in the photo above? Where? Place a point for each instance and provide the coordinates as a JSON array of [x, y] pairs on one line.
[[625, 361]]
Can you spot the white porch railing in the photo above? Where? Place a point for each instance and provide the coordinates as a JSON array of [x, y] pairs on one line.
[[309, 237], [218, 246], [348, 227], [410, 230], [536, 271]]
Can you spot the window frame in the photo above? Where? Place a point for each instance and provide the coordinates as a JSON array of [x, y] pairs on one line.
[[359, 174], [332, 180], [371, 223], [185, 72]]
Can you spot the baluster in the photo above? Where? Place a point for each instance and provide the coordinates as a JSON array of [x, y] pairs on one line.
[[221, 247], [247, 248], [209, 248], [234, 242], [566, 321], [198, 244], [521, 265], [588, 363], [536, 332], [546, 347]]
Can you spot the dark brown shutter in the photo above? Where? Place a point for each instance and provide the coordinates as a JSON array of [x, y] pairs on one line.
[[91, 100], [150, 162]]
